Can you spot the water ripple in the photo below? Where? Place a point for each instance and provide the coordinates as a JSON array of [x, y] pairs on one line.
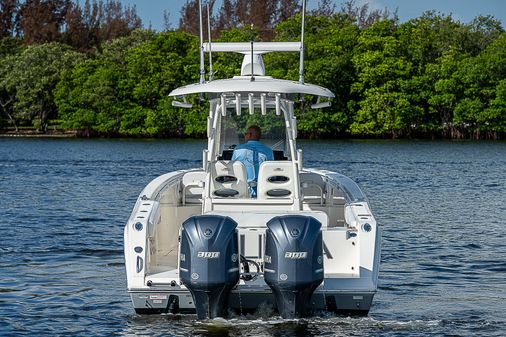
[[64, 203]]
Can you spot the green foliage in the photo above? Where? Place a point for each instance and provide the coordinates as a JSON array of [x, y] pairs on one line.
[[33, 75], [95, 96], [482, 106], [431, 76], [330, 47], [10, 46], [382, 69], [123, 90]]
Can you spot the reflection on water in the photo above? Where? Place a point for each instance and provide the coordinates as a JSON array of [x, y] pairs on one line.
[[64, 204], [251, 326]]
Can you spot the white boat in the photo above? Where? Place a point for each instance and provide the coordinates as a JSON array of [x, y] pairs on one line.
[[198, 242]]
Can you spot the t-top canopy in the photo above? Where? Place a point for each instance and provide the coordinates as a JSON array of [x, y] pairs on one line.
[[261, 84]]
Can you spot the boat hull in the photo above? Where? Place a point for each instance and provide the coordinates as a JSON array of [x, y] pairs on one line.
[[351, 246], [259, 303]]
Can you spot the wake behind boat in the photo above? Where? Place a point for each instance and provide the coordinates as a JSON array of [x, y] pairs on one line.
[[207, 240]]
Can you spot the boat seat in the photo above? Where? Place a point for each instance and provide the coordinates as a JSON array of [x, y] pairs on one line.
[[312, 188], [276, 180], [193, 187], [228, 179]]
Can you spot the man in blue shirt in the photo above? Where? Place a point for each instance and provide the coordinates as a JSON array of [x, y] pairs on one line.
[[252, 154]]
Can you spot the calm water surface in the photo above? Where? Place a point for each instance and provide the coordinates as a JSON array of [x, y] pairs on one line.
[[442, 207]]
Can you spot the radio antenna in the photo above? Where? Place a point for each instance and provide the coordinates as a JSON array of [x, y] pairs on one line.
[[202, 69], [301, 65], [210, 51], [252, 65]]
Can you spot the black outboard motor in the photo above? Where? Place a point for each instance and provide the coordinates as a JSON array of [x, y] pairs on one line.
[[293, 262], [209, 262]]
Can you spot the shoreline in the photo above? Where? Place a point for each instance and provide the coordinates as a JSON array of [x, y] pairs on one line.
[[59, 133], [37, 134]]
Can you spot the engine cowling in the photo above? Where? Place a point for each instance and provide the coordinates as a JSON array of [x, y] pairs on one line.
[[209, 262], [293, 262]]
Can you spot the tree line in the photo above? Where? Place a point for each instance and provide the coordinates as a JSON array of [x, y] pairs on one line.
[[94, 69]]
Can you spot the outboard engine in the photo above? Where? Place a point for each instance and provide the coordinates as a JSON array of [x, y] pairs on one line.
[[293, 262], [209, 263]]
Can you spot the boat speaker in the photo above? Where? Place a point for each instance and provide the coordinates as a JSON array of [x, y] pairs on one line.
[[293, 259], [209, 263]]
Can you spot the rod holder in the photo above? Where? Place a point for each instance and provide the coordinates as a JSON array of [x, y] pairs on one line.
[[238, 104], [223, 106], [251, 104]]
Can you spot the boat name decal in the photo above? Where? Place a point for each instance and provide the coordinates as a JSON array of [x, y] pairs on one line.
[[157, 297]]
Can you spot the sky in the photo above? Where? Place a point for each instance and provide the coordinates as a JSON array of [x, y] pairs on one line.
[[151, 11]]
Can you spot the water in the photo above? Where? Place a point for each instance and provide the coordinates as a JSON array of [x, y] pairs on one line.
[[442, 206]]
